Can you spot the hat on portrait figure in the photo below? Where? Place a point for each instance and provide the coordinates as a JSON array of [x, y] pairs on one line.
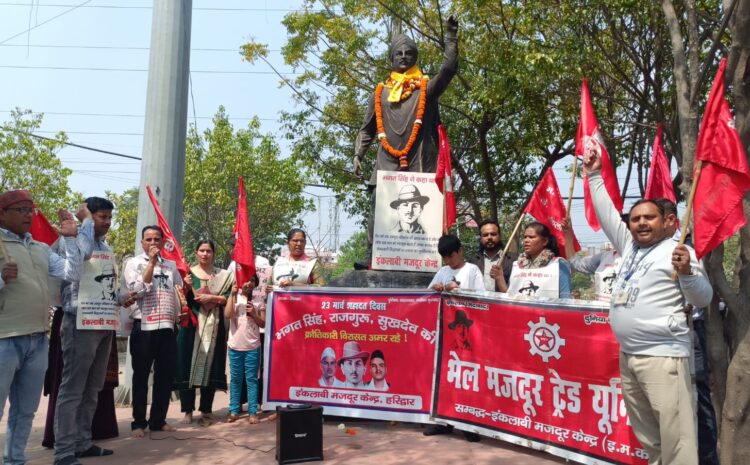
[[409, 206], [460, 325], [352, 364], [107, 280]]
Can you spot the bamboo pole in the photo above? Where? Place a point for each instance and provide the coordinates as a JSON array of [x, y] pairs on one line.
[[4, 252], [572, 184], [689, 211], [512, 236]]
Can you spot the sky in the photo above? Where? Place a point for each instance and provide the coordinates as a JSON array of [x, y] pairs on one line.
[[84, 65]]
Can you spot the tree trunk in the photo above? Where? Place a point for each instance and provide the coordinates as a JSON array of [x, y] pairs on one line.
[[687, 117], [735, 425]]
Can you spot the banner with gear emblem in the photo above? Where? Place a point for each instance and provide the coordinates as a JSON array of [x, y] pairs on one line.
[[538, 374]]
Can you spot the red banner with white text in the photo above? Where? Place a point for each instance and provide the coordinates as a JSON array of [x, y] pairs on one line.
[[359, 353], [536, 374]]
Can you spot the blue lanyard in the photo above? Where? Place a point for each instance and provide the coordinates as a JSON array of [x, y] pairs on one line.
[[632, 267]]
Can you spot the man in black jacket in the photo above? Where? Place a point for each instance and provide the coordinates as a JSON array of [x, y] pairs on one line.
[[488, 257]]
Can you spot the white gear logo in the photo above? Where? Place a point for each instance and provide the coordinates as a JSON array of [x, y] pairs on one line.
[[169, 245], [544, 339]]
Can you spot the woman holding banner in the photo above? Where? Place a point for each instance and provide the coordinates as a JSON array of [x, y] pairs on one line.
[[539, 270], [202, 336], [297, 268]]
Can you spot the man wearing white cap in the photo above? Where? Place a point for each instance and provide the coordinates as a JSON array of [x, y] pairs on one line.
[[328, 369]]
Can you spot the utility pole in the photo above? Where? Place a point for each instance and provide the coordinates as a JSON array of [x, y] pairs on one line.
[[163, 164]]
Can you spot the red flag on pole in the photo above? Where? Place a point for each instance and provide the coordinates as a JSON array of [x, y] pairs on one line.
[[589, 138], [547, 206], [171, 249], [444, 180], [724, 177], [41, 230], [242, 254], [659, 177]]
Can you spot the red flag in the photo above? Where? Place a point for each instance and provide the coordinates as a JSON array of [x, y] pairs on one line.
[[724, 178], [547, 206], [444, 181], [659, 177], [242, 254], [171, 249], [589, 138], [41, 230]]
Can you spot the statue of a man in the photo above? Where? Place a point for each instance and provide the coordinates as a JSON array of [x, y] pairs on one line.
[[404, 143], [402, 116]]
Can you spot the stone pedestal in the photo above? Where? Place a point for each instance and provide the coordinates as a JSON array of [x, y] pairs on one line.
[[382, 279]]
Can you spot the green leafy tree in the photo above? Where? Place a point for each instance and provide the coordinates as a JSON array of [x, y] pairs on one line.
[[214, 162], [30, 163], [352, 251], [121, 235]]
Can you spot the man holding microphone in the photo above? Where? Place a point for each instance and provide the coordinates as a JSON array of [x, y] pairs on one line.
[[153, 339]]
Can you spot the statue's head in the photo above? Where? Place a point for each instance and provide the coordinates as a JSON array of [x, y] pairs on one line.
[[403, 53]]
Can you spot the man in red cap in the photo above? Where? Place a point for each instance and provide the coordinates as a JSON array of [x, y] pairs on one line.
[[25, 265]]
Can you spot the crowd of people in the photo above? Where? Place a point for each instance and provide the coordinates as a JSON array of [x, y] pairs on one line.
[[650, 311], [183, 331]]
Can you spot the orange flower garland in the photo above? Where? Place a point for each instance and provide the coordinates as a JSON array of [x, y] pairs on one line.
[[400, 154]]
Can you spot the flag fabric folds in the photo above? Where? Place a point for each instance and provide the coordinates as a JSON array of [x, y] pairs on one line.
[[171, 249], [41, 229], [659, 177], [547, 206], [242, 254], [589, 138], [444, 180], [724, 178]]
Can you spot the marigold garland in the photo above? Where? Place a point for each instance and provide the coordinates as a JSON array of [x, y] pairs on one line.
[[400, 154]]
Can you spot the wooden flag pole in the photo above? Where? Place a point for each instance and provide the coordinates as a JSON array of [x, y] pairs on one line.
[[512, 235], [4, 252], [572, 183], [689, 211], [445, 210]]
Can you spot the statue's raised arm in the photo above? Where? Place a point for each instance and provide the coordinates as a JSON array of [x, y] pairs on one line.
[[403, 113]]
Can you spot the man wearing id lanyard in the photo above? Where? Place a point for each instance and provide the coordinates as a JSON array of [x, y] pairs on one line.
[[647, 315]]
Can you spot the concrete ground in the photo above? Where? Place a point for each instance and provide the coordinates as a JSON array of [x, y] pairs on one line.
[[240, 443]]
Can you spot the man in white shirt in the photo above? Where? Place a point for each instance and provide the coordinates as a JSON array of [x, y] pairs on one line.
[[456, 273], [647, 315], [152, 341], [378, 371], [328, 369]]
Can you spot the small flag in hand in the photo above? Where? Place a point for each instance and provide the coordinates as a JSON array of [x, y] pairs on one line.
[[41, 229], [243, 254]]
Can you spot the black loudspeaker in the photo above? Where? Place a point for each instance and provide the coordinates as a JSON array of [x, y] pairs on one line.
[[299, 433]]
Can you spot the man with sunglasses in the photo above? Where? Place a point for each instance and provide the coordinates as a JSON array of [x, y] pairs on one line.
[[25, 266]]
